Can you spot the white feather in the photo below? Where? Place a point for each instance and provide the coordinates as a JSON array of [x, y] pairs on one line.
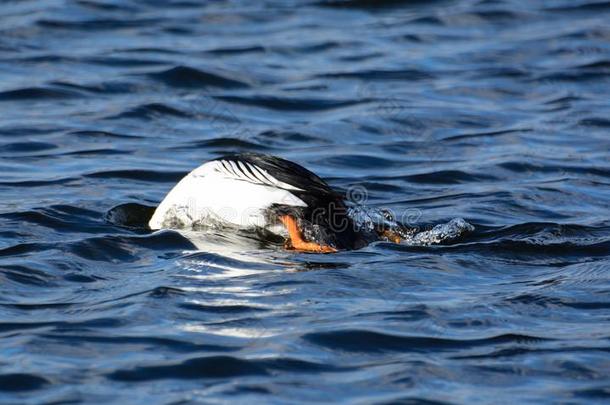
[[221, 191]]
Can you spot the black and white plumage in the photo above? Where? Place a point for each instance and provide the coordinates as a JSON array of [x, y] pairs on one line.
[[253, 191]]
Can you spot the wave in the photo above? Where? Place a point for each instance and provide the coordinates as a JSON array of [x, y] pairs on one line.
[[185, 76], [540, 243], [27, 147], [404, 74], [97, 24], [139, 174], [491, 111], [289, 103], [224, 144], [220, 367], [96, 134], [371, 3], [37, 93], [152, 111], [372, 341], [22, 382]]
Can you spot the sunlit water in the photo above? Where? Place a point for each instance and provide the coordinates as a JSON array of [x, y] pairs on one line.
[[495, 112]]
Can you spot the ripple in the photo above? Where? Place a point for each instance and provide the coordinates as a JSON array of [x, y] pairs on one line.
[[219, 367], [37, 183], [223, 144], [131, 215], [367, 3], [26, 147], [405, 74], [98, 24], [59, 217], [184, 76], [288, 103], [448, 177], [22, 249], [585, 6], [25, 275], [21, 382], [491, 111], [236, 50], [360, 161], [121, 249], [143, 175], [595, 122], [550, 302], [486, 134], [103, 88], [152, 111], [600, 392], [544, 243], [203, 367], [369, 341], [174, 345], [124, 62], [103, 135], [97, 5], [525, 351], [233, 309], [525, 167], [37, 93], [61, 326]]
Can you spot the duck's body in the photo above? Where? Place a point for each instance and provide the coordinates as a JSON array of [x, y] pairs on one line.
[[260, 191]]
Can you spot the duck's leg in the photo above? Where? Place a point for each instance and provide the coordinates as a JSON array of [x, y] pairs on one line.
[[296, 239]]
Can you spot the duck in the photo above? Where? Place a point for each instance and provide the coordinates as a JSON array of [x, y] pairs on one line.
[[260, 191]]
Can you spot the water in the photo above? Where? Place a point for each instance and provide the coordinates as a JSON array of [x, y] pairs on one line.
[[491, 111]]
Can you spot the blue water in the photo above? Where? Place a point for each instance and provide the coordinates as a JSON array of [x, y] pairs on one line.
[[492, 111]]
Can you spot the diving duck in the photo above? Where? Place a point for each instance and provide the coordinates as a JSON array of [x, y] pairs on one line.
[[251, 191]]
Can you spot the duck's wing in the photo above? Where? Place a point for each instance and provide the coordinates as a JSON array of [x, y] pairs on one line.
[[223, 190], [325, 219], [280, 173]]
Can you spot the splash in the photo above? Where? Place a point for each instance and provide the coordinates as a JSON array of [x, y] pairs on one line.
[[369, 219], [441, 233]]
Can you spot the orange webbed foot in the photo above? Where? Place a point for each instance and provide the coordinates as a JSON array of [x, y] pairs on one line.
[[296, 240]]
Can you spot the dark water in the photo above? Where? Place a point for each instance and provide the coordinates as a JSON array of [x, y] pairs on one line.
[[494, 111]]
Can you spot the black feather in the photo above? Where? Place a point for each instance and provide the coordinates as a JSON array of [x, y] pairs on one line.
[[315, 191], [326, 212]]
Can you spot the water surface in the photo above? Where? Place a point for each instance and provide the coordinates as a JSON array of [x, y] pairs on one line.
[[493, 111]]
